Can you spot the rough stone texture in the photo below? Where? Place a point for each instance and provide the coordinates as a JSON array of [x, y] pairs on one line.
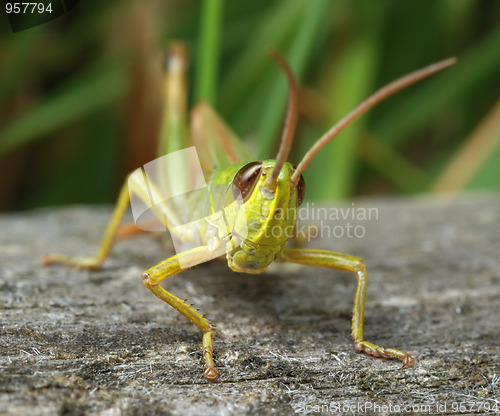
[[78, 342]]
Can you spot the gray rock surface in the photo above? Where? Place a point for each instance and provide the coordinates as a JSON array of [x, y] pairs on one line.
[[76, 342]]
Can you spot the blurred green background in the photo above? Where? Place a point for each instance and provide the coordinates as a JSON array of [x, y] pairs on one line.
[[80, 99]]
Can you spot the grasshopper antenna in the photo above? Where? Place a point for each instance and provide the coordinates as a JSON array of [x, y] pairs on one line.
[[369, 103], [290, 119]]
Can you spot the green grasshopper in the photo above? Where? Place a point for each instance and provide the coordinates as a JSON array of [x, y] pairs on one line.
[[268, 189]]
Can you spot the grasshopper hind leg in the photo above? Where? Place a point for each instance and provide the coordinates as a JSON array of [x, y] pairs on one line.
[[338, 261]]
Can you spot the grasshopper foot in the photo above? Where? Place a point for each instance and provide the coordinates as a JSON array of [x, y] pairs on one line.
[[210, 373], [208, 349], [77, 262], [381, 352]]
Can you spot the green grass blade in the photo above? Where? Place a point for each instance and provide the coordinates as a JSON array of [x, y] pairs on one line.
[[353, 74], [245, 75], [208, 52], [480, 63], [298, 54], [19, 53], [95, 88], [385, 160]]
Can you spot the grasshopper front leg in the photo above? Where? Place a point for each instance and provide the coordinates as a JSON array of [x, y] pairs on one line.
[[338, 261], [167, 268]]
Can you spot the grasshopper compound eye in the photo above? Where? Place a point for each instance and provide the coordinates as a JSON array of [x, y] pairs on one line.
[[301, 191], [245, 180]]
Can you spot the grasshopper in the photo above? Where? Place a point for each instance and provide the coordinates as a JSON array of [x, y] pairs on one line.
[[267, 190]]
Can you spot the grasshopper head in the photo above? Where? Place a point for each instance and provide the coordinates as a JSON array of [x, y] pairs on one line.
[[269, 195], [269, 216]]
